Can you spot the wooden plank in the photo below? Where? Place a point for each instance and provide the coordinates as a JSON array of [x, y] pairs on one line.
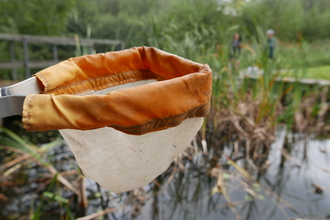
[[43, 64], [13, 64], [55, 53], [91, 49], [56, 40], [293, 80], [122, 45], [32, 64], [13, 59], [26, 57], [87, 42]]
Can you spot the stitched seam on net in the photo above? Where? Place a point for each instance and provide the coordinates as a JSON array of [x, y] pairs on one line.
[[156, 128], [28, 113], [129, 129], [105, 77], [44, 80]]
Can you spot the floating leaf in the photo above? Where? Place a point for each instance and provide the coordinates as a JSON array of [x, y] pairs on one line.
[[226, 175], [97, 194], [261, 197], [256, 186], [248, 197]]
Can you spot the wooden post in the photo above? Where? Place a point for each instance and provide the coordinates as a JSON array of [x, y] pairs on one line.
[[55, 54], [12, 59], [26, 58], [15, 65], [91, 49], [122, 45]]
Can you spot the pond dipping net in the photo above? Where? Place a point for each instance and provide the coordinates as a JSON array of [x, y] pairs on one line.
[[125, 115]]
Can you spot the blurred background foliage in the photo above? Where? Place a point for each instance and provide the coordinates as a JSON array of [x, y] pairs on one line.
[[135, 21], [35, 16], [190, 28]]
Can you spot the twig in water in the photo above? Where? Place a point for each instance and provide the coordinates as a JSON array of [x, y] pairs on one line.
[[96, 215]]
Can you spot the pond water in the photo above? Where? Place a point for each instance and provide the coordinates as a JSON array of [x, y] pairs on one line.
[[295, 185], [292, 187]]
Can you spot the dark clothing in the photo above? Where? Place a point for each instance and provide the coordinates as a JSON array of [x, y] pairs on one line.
[[271, 42], [235, 49]]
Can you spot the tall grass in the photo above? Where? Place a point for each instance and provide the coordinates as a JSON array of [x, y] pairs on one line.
[[20, 154], [245, 110]]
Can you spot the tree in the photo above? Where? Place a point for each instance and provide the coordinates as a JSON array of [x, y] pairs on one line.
[[42, 17], [285, 17], [316, 20]]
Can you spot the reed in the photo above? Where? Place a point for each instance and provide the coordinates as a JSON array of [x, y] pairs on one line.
[[247, 111], [21, 154]]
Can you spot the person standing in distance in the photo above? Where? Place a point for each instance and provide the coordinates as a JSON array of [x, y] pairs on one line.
[[235, 49], [271, 43]]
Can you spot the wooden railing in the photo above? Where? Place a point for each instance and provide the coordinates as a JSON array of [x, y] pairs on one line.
[[55, 41]]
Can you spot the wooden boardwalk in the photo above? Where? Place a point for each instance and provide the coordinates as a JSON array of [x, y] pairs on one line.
[[259, 74], [13, 64]]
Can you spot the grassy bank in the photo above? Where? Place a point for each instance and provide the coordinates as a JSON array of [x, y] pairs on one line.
[[318, 72]]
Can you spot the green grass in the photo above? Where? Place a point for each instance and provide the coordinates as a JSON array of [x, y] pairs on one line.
[[319, 72]]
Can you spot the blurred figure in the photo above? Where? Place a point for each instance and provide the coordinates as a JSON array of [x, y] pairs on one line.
[[271, 43], [235, 49]]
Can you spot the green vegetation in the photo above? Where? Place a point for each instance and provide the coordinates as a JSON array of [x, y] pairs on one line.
[[40, 17], [194, 29], [319, 72]]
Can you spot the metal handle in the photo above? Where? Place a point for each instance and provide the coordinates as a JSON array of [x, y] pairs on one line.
[[28, 86], [12, 97], [11, 105]]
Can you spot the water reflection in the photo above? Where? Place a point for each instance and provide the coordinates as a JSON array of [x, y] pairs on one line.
[[295, 184]]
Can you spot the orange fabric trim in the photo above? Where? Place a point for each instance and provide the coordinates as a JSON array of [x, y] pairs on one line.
[[183, 90]]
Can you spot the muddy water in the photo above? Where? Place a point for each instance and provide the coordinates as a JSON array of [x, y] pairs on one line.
[[293, 186], [296, 186]]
